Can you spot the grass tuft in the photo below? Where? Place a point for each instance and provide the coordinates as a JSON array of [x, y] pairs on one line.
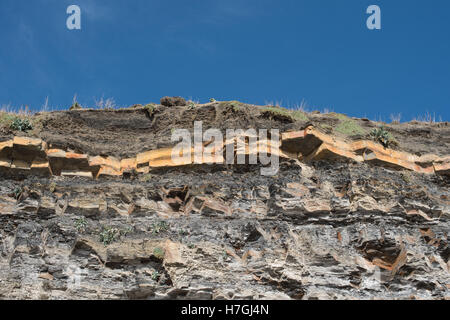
[[350, 127], [296, 115]]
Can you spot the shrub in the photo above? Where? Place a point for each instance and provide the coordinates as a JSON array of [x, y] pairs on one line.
[[382, 136], [81, 224], [19, 124], [151, 109], [75, 106], [191, 105], [109, 235]]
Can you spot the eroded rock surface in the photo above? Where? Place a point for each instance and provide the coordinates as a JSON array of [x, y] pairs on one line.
[[342, 219], [327, 230]]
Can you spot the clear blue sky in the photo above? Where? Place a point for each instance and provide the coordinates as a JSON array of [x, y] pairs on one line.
[[255, 51]]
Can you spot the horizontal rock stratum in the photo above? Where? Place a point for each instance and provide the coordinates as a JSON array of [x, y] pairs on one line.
[[32, 156], [93, 207]]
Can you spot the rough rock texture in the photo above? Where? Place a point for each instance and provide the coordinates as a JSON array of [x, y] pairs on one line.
[[173, 101], [342, 219]]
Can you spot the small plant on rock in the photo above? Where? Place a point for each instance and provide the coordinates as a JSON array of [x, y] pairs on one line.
[[109, 235], [212, 100], [81, 224], [224, 255], [159, 227], [150, 107], [159, 253], [155, 275], [145, 178], [52, 187], [18, 192], [127, 231], [75, 106], [406, 176], [191, 105], [382, 136], [21, 125]]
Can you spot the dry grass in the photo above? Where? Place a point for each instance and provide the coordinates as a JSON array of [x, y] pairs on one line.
[[45, 107], [293, 114], [8, 116], [195, 101], [103, 103], [427, 118], [6, 119], [302, 107], [22, 111], [395, 118], [271, 103]]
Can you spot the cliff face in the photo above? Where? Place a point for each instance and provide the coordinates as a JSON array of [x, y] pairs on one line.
[[93, 207]]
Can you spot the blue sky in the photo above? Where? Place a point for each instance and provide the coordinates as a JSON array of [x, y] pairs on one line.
[[255, 51]]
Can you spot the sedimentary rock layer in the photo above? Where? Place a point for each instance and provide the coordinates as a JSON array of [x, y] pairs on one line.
[[317, 230], [341, 219], [32, 156]]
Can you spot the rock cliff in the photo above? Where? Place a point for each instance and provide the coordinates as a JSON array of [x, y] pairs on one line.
[[92, 206]]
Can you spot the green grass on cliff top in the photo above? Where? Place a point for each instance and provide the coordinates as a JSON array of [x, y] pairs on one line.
[[294, 114]]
